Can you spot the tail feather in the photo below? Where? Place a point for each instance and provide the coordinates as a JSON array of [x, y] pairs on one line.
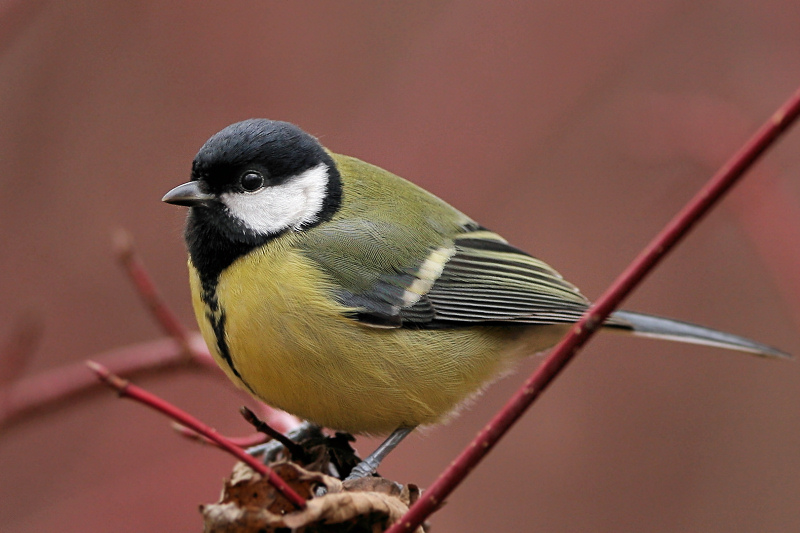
[[665, 328]]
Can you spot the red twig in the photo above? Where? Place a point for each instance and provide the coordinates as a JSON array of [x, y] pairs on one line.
[[770, 215], [242, 442], [16, 351], [129, 390], [57, 387], [280, 421], [123, 244], [561, 355]]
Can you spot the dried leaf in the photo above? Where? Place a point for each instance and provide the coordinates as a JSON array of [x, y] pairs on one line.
[[249, 504]]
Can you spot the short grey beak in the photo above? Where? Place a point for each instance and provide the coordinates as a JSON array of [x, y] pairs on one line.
[[188, 194]]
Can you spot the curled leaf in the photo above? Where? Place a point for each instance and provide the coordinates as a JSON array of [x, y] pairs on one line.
[[249, 504]]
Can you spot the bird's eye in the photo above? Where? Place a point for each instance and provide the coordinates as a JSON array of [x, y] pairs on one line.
[[252, 181]]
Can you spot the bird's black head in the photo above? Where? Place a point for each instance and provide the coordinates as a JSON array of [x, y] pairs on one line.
[[275, 150], [252, 182]]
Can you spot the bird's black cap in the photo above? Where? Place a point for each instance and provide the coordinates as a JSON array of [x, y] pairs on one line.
[[279, 149]]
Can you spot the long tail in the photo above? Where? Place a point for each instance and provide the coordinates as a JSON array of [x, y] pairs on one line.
[[665, 328]]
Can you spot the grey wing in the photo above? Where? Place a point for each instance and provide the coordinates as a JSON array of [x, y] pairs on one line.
[[472, 277], [380, 269], [440, 277]]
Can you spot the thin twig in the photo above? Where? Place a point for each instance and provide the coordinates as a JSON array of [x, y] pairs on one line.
[[19, 346], [770, 216], [589, 323], [146, 288], [245, 442], [296, 451], [280, 422], [129, 390], [56, 388]]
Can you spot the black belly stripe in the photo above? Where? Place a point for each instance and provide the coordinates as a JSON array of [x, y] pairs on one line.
[[216, 317]]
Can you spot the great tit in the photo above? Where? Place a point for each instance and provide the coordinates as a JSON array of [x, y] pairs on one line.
[[350, 297]]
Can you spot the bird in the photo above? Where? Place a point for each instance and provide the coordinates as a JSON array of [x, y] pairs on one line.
[[343, 294]]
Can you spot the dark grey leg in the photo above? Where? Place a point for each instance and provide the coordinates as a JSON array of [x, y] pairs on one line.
[[371, 463]]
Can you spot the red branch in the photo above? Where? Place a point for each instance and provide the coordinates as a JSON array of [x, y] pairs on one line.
[[770, 215], [51, 389], [580, 333], [245, 442], [167, 319], [55, 388], [281, 421], [18, 348], [129, 390]]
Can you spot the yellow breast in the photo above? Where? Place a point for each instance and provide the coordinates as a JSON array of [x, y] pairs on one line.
[[294, 349]]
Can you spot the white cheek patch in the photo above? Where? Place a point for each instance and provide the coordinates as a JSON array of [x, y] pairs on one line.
[[287, 206]]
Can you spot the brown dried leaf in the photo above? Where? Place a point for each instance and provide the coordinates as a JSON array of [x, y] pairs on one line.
[[247, 488], [249, 504]]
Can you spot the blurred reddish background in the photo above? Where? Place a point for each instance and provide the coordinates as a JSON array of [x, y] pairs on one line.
[[575, 129]]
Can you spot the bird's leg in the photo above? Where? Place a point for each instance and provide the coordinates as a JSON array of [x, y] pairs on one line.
[[371, 463], [270, 449]]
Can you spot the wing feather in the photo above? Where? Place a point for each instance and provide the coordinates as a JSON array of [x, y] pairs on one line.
[[434, 267], [488, 280]]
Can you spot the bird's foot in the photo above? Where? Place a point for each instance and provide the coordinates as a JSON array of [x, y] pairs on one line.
[[368, 466]]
